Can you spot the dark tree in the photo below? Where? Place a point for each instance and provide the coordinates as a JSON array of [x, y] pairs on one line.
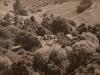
[[19, 10]]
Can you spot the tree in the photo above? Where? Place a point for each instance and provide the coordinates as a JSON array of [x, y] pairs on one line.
[[41, 31], [32, 18], [27, 41], [84, 4], [59, 58], [40, 60], [68, 49], [14, 30], [59, 24], [64, 40], [91, 37], [19, 10], [7, 19], [82, 54], [82, 28], [5, 65], [20, 68], [5, 33]]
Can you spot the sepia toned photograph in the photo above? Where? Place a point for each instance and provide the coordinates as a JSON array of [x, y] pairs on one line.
[[49, 37]]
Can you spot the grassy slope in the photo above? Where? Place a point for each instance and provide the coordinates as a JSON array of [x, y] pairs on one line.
[[39, 3], [66, 9], [4, 9], [91, 15]]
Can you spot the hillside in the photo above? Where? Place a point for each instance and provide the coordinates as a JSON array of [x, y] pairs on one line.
[[68, 11], [40, 3], [65, 8], [49, 37], [90, 16], [6, 6]]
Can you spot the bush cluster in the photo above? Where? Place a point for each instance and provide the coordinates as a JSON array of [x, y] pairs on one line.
[[75, 49]]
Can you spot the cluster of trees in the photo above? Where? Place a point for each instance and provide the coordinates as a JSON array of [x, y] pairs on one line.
[[70, 55], [79, 54]]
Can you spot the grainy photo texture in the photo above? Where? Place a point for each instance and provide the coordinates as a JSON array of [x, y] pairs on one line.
[[49, 37]]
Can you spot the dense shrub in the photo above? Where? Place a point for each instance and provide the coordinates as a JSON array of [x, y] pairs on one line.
[[39, 10], [51, 61], [82, 70], [68, 49], [64, 40], [4, 33], [5, 65], [20, 68], [84, 50], [6, 43], [3, 51], [13, 29], [32, 18], [90, 36], [62, 55], [53, 69], [82, 54], [84, 45], [55, 55], [46, 21], [5, 37], [57, 24], [93, 29], [98, 35], [41, 58], [82, 28], [4, 62], [28, 41], [41, 31], [6, 20], [85, 4], [4, 23], [59, 58], [19, 10]]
